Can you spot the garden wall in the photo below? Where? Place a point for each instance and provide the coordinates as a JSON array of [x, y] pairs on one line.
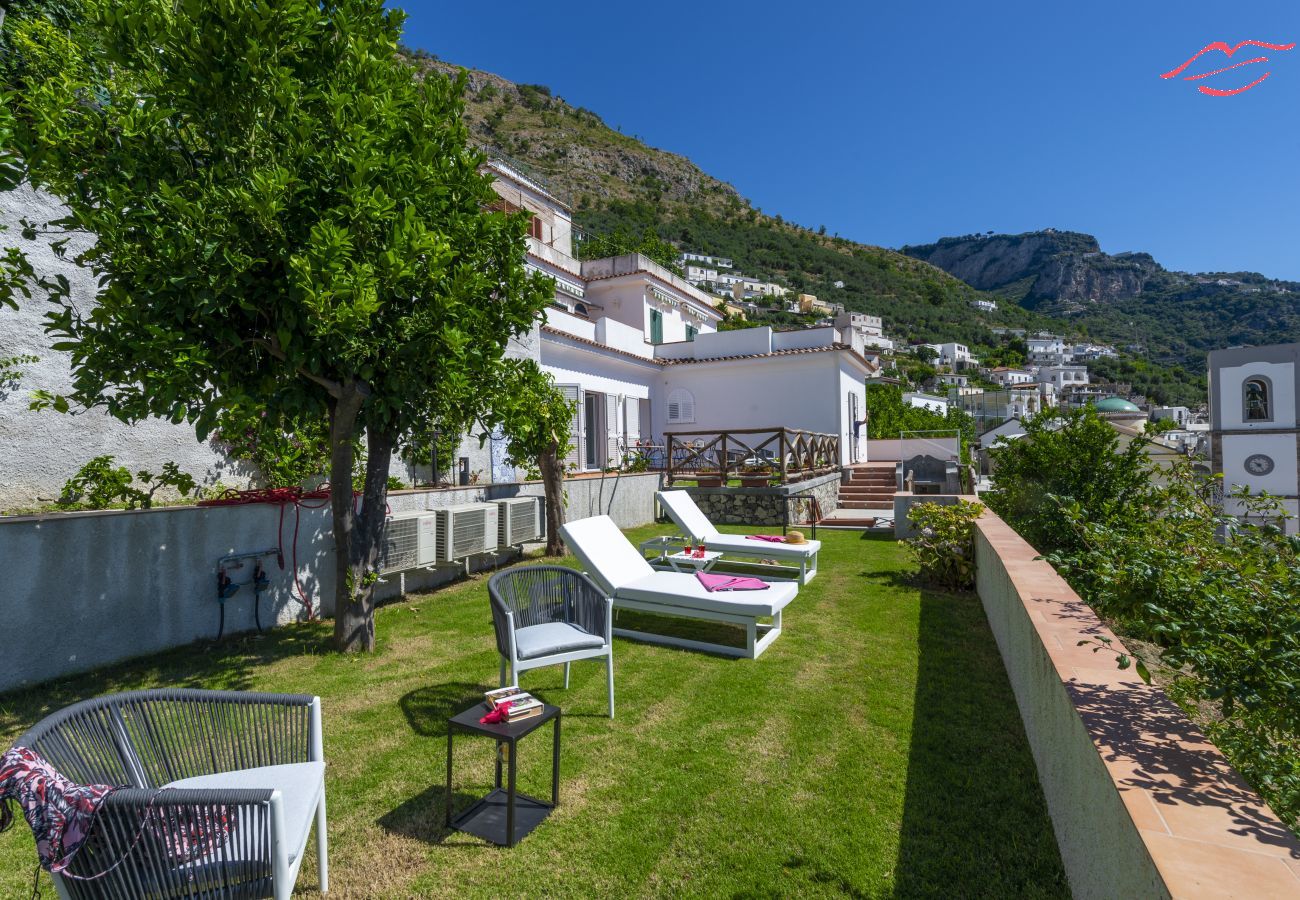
[[1141, 803], [765, 506], [82, 590]]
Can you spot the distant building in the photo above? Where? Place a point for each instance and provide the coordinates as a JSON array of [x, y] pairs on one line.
[[1008, 377], [1062, 377], [839, 284], [1046, 350], [1179, 415], [866, 331], [953, 355], [1254, 439], [985, 305], [926, 401], [712, 262]]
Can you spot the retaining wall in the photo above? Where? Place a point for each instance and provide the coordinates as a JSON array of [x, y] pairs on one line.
[[91, 588], [766, 506], [1141, 803]]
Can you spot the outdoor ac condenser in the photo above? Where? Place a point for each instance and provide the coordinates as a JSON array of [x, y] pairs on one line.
[[466, 530], [520, 521], [410, 541]]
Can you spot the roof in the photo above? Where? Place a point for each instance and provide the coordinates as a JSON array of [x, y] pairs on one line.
[[1115, 405]]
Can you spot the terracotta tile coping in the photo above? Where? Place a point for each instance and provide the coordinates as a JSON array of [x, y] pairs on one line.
[[1206, 831]]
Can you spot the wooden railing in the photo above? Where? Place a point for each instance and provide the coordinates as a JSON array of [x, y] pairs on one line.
[[791, 454]]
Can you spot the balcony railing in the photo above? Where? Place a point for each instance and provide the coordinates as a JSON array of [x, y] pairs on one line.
[[789, 453]]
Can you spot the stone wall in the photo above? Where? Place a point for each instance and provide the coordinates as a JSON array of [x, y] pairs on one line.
[[767, 506]]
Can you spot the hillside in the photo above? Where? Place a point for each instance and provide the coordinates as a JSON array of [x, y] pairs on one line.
[[1128, 298], [616, 181]]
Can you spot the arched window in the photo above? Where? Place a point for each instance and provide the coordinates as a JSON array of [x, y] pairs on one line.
[[681, 406], [1256, 400], [580, 308]]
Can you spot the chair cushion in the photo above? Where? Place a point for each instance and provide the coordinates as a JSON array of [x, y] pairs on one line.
[[300, 786], [687, 515], [739, 545], [553, 637], [606, 555], [682, 589]]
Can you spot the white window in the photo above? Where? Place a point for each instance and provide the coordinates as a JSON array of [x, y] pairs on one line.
[[681, 406]]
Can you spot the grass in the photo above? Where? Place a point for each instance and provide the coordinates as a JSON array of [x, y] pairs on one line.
[[874, 750]]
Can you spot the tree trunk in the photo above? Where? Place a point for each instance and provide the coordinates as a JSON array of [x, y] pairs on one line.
[[343, 425], [354, 627], [553, 485]]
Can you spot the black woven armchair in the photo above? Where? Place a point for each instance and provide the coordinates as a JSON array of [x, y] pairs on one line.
[[544, 615], [242, 776]]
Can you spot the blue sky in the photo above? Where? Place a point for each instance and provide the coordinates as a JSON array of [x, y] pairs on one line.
[[899, 123]]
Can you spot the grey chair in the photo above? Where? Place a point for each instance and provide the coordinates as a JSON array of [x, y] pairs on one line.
[[223, 790], [545, 615]]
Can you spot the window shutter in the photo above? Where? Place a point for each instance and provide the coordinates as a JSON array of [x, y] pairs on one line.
[[656, 327], [573, 394], [632, 412], [612, 455]]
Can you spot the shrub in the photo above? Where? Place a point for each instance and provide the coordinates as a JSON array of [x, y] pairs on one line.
[[101, 485], [944, 543]]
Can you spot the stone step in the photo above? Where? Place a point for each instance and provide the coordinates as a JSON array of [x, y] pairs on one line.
[[867, 479], [872, 503], [866, 488]]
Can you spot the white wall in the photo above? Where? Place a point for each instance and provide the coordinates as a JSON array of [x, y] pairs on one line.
[[39, 451], [852, 382], [1281, 448], [614, 333], [1282, 400]]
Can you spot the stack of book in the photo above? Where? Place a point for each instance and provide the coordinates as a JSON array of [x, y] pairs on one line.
[[516, 704]]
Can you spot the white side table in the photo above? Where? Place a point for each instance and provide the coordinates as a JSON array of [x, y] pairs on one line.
[[681, 562]]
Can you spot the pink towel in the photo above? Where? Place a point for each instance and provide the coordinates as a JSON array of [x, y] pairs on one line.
[[730, 582], [770, 538]]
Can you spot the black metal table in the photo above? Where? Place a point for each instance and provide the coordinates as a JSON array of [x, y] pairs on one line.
[[504, 816]]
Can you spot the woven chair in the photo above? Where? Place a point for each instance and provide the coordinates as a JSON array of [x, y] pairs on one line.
[[245, 776], [545, 615]]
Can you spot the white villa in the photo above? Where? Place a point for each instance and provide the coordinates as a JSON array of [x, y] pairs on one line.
[[955, 356], [1061, 377], [1008, 377], [637, 348]]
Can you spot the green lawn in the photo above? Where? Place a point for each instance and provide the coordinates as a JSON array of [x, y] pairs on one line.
[[874, 750]]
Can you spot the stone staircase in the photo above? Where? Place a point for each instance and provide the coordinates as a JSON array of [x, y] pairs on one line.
[[868, 487]]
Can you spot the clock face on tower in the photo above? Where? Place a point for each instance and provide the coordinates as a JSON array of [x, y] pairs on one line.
[[1259, 464]]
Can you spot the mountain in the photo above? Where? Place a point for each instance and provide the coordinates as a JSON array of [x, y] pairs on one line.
[[1127, 298], [615, 181]]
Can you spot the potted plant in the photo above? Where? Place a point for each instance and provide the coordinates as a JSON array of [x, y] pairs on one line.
[[755, 476], [708, 479]]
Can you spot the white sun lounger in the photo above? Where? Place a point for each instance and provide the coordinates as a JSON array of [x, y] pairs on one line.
[[799, 559], [625, 575]]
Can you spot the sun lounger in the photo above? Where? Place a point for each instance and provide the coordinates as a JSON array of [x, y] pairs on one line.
[[624, 574], [798, 559]]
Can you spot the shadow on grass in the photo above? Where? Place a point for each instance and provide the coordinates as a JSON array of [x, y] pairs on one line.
[[424, 816], [974, 819], [228, 664], [427, 709]]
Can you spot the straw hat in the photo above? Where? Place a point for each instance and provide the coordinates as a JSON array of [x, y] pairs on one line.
[[795, 537]]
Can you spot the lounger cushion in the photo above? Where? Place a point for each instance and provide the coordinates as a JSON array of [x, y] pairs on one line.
[[684, 590], [606, 555], [300, 786], [686, 514], [553, 637], [740, 545]]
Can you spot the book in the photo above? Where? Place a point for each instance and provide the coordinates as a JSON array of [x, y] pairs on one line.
[[523, 708], [494, 698], [529, 713]]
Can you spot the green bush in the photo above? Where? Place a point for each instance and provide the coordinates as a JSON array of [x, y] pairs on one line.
[[1220, 599], [944, 543], [101, 485]]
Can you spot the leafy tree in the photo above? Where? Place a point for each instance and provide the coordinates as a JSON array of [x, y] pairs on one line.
[[287, 451], [284, 218], [620, 241], [1073, 460], [888, 416]]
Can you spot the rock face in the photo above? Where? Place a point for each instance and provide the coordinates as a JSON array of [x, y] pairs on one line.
[[1057, 271]]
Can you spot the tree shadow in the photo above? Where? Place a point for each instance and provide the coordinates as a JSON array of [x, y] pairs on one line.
[[1171, 758], [975, 822]]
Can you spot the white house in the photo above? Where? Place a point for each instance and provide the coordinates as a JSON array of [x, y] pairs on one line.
[[1179, 415], [1046, 350], [1254, 438], [954, 355], [1062, 377], [985, 305], [1007, 377], [866, 331], [637, 349], [926, 401]]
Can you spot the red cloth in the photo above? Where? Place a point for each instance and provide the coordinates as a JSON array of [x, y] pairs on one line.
[[770, 538], [713, 582]]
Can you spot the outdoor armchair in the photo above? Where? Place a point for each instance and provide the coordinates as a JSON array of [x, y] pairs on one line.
[[223, 790], [546, 615]]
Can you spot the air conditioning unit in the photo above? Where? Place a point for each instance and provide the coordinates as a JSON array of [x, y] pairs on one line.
[[466, 530], [410, 541], [520, 521]]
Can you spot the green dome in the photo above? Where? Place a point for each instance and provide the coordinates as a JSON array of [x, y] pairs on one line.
[[1116, 405]]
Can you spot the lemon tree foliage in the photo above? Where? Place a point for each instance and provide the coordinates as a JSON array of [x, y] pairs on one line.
[[943, 546], [284, 219]]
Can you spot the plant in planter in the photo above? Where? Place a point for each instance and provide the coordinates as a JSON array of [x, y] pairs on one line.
[[708, 479], [755, 476]]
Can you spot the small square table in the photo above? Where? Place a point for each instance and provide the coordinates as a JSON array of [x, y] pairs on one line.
[[505, 816], [698, 563]]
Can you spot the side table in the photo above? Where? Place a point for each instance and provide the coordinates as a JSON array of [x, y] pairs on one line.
[[697, 563], [504, 816]]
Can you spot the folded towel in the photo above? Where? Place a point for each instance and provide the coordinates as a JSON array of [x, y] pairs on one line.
[[770, 538], [730, 582]]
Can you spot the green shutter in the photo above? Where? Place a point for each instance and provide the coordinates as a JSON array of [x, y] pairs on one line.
[[690, 333], [656, 327]]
